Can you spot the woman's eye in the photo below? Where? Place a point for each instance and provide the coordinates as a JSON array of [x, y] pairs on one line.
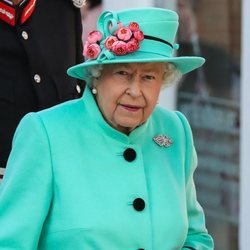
[[149, 77], [122, 72]]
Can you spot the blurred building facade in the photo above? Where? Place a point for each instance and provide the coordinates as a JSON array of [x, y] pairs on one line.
[[216, 100], [210, 98]]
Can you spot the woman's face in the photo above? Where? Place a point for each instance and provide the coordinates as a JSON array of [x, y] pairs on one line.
[[128, 93]]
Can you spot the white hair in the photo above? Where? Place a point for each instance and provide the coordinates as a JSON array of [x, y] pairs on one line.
[[171, 74], [92, 73]]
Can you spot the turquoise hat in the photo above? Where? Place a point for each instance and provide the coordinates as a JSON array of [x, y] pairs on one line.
[[134, 36]]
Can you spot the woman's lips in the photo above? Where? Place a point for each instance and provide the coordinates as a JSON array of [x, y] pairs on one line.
[[130, 108]]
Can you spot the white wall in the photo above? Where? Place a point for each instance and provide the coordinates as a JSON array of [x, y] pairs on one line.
[[117, 5], [244, 232]]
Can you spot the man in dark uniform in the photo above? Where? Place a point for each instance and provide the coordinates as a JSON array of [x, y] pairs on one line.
[[39, 40]]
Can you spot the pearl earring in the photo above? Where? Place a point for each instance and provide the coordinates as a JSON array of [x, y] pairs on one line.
[[94, 91]]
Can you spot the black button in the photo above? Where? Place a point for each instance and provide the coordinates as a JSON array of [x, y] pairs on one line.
[[129, 154], [139, 204], [141, 249]]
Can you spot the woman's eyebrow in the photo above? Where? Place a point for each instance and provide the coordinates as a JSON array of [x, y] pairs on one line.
[[151, 70]]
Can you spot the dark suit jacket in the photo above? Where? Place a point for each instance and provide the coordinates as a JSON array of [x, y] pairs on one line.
[[34, 58]]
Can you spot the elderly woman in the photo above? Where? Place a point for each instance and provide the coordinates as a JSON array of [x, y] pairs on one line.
[[111, 170]]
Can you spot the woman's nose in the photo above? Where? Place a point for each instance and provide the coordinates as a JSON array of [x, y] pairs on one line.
[[134, 88]]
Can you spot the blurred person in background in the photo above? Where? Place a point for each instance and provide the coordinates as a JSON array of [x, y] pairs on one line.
[[111, 170], [39, 41]]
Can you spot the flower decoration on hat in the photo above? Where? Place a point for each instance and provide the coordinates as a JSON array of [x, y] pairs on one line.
[[91, 47], [124, 40]]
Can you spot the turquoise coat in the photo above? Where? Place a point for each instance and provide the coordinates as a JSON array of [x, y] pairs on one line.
[[70, 186]]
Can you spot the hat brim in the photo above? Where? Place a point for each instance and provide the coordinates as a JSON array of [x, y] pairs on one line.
[[184, 64]]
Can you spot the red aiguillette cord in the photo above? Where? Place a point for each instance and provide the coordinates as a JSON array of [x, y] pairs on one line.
[[16, 14]]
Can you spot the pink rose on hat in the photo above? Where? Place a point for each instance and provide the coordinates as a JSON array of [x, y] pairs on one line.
[[119, 48], [132, 45], [138, 35], [91, 48], [91, 51], [133, 26], [110, 41], [119, 25], [94, 36], [124, 34]]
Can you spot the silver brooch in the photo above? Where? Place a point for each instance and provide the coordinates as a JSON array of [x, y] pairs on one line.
[[163, 141]]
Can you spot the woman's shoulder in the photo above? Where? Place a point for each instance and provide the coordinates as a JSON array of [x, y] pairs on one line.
[[66, 108], [171, 119], [164, 114], [61, 115]]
